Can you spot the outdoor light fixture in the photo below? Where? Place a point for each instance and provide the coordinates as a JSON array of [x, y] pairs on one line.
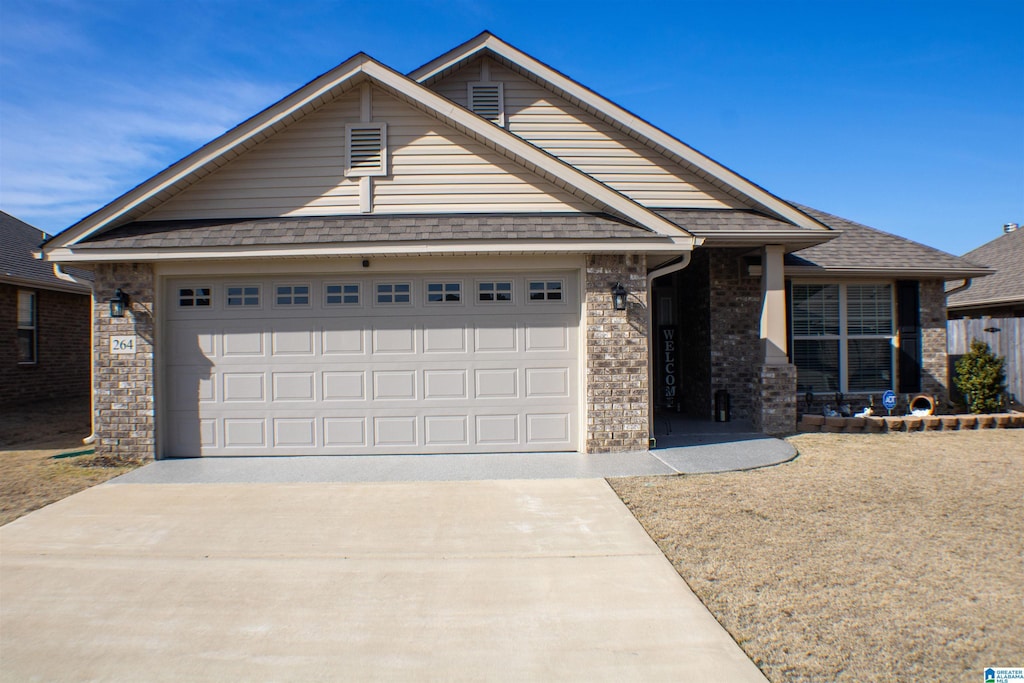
[[118, 303], [619, 296]]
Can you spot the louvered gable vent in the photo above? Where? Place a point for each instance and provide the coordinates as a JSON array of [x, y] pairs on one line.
[[367, 149], [488, 100]]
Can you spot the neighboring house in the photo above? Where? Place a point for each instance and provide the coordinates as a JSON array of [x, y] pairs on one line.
[[480, 256], [44, 322], [1000, 295], [992, 309]]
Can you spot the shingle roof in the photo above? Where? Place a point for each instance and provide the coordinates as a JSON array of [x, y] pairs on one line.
[[1006, 255], [365, 229], [860, 249], [732, 226], [18, 240]]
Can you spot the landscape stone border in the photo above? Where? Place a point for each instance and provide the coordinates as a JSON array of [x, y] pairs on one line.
[[909, 423]]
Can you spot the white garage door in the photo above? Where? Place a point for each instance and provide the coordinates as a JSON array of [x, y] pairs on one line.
[[340, 365]]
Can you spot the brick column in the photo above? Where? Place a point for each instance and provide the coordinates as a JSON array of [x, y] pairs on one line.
[[125, 426], [617, 347], [775, 389], [934, 363], [775, 400]]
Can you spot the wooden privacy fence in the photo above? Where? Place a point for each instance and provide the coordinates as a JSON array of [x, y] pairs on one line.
[[1005, 336]]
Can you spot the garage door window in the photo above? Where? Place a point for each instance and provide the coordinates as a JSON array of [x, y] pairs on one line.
[[194, 297], [292, 295], [444, 292], [341, 294], [494, 292], [243, 296], [394, 293], [546, 290]]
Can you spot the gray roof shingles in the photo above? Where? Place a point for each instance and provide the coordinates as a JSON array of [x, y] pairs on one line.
[[356, 229], [711, 222], [18, 240], [1006, 255], [859, 247], [856, 248]]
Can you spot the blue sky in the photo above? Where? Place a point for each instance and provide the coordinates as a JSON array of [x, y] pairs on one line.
[[904, 115]]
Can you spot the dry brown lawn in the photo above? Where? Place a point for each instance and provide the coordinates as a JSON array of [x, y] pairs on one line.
[[30, 477], [868, 558]]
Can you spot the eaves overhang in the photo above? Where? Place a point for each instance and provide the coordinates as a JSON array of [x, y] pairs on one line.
[[26, 283], [792, 240], [390, 248], [989, 302], [886, 272]]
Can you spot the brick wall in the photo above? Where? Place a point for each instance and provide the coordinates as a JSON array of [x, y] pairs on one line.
[[735, 338], [61, 370], [617, 382], [124, 382], [934, 366]]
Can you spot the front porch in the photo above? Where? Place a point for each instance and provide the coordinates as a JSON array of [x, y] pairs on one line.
[[720, 325]]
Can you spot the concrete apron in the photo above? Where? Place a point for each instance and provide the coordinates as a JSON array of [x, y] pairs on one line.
[[482, 580]]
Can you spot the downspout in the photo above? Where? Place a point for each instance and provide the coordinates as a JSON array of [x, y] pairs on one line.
[[965, 285], [61, 275], [683, 262]]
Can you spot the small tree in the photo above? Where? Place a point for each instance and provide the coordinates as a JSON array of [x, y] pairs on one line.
[[980, 378]]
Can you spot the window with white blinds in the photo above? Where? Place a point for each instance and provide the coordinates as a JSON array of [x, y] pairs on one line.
[[869, 309], [28, 327], [817, 363], [815, 310], [843, 337]]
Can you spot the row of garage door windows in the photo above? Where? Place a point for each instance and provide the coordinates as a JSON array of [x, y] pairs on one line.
[[350, 294]]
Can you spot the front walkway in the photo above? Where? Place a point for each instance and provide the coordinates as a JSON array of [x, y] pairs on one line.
[[476, 580]]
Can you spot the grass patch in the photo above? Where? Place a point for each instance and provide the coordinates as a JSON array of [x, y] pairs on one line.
[[868, 558], [30, 475]]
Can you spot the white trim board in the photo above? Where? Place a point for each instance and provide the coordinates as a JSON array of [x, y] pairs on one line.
[[94, 255]]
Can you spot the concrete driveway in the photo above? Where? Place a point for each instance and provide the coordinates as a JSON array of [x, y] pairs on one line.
[[520, 580]]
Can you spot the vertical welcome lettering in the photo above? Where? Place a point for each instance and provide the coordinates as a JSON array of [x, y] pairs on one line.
[[668, 365]]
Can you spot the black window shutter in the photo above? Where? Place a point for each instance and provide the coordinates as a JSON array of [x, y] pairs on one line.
[[908, 320], [789, 319]]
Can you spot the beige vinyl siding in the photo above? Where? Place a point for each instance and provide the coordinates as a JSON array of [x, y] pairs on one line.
[[437, 169], [300, 172], [590, 144]]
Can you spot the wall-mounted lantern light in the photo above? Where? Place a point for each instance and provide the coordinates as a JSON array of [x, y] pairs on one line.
[[619, 296], [118, 302]]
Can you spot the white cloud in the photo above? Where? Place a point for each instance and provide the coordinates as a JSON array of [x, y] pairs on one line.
[[61, 161]]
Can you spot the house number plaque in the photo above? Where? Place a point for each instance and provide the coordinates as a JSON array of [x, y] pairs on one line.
[[124, 344]]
